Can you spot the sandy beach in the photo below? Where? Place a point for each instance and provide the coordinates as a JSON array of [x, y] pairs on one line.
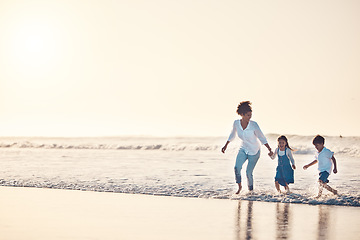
[[114, 116], [34, 213]]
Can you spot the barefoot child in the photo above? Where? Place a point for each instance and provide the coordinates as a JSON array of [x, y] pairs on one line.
[[325, 159], [284, 172]]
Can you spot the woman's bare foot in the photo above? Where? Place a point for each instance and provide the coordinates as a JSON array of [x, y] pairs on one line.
[[238, 191]]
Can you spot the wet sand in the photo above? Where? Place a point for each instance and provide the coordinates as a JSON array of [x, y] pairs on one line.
[[32, 213]]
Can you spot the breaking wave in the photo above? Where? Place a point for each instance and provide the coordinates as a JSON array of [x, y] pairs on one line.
[[349, 146], [163, 147]]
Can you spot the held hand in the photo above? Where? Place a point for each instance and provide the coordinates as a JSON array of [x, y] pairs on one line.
[[270, 153], [335, 170], [293, 166], [305, 167]]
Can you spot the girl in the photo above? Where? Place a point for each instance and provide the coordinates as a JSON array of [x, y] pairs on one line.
[[284, 172]]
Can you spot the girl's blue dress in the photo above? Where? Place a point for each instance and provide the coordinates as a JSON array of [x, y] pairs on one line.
[[284, 172]]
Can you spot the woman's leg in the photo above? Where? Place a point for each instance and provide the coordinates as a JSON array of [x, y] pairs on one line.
[[240, 160], [253, 159], [239, 188]]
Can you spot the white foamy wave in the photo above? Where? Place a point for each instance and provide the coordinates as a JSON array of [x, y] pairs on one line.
[[164, 147], [349, 146], [189, 190]]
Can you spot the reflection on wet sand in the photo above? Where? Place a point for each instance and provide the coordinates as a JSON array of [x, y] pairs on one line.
[[246, 233], [323, 226], [280, 221]]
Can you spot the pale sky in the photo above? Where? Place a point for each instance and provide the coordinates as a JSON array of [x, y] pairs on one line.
[[166, 67]]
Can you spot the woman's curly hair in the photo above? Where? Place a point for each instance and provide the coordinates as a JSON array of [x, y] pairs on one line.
[[244, 107]]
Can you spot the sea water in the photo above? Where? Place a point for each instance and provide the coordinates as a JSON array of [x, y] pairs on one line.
[[173, 166]]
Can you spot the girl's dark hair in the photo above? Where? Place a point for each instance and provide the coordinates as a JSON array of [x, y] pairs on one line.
[[244, 107], [282, 137]]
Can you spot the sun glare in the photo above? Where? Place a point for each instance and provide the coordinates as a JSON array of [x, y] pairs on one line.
[[34, 47], [35, 44]]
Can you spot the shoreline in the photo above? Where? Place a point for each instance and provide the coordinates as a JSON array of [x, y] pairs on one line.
[[39, 213], [258, 196]]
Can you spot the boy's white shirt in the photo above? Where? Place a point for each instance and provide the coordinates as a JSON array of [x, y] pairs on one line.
[[324, 160], [282, 153], [249, 136]]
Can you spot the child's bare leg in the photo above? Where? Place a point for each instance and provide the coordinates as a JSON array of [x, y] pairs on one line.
[[238, 191], [287, 188], [277, 186], [334, 191], [321, 187]]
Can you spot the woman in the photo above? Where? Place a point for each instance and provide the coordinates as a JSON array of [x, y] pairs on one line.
[[249, 132]]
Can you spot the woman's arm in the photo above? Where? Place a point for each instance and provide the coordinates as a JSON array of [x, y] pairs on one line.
[[272, 156], [231, 137], [224, 147], [259, 134], [269, 148], [233, 132]]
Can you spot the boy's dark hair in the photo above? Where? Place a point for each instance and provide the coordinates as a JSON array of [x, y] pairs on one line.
[[318, 139], [244, 107]]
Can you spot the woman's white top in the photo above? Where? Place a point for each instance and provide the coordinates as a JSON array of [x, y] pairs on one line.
[[249, 136], [282, 153]]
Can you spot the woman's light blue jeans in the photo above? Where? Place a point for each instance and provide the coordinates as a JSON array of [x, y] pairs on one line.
[[240, 160]]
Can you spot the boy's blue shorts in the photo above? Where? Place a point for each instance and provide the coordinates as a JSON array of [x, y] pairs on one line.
[[324, 176]]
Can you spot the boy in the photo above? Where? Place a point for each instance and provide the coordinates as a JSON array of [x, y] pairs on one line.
[[325, 158]]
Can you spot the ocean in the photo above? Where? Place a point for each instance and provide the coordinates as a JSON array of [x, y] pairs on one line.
[[173, 166]]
